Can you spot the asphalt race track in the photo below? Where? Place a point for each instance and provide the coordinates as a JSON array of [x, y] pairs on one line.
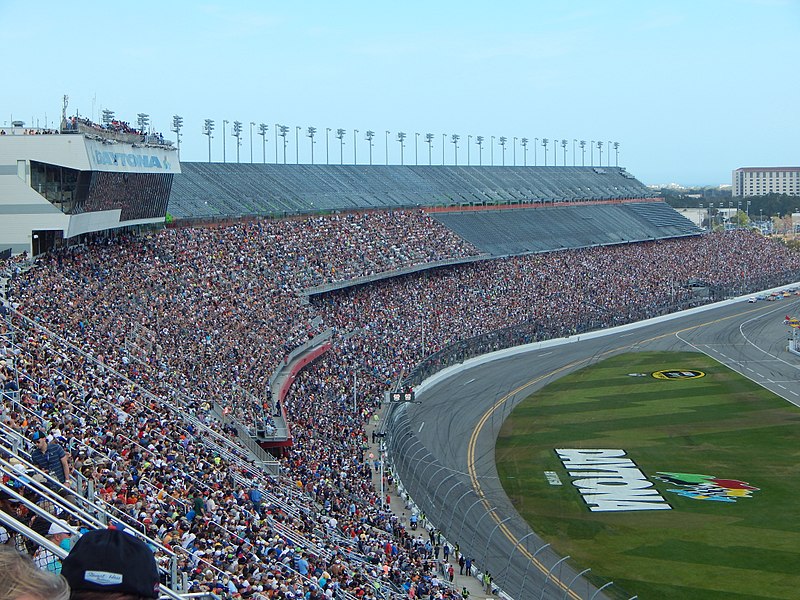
[[448, 439]]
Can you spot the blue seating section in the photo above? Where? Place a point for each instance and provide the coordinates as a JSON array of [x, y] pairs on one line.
[[212, 190]]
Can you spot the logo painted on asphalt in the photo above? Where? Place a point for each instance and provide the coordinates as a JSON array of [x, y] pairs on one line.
[[678, 374], [707, 487]]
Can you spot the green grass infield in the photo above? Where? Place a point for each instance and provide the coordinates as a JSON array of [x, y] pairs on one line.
[[698, 532]]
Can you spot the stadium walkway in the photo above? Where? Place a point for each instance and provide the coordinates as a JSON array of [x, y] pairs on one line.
[[398, 506]]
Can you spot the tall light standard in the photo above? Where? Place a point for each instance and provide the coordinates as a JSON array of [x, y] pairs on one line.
[[224, 122], [469, 142], [177, 125], [503, 141], [108, 116], [277, 134], [208, 127], [355, 156], [616, 154], [416, 149], [237, 133], [311, 132], [444, 143], [429, 139], [252, 124], [297, 129], [591, 153], [524, 143], [491, 151], [401, 136], [535, 149], [327, 131], [340, 134], [514, 153], [479, 142], [582, 144], [144, 120], [284, 129], [545, 141], [600, 149], [454, 138], [386, 145], [574, 141], [369, 136], [564, 148]]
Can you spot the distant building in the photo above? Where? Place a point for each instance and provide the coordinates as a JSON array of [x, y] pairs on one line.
[[760, 181]]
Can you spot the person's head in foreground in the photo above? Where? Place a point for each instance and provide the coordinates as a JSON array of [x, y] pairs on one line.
[[108, 564], [21, 580]]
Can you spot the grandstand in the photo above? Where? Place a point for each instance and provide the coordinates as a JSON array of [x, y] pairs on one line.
[[567, 225], [214, 190]]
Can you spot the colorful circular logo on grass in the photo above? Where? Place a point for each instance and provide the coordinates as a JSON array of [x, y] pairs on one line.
[[707, 487], [678, 374]]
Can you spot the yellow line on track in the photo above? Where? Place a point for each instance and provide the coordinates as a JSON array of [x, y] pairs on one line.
[[473, 440]]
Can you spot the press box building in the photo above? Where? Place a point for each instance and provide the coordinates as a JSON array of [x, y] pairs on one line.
[[82, 179]]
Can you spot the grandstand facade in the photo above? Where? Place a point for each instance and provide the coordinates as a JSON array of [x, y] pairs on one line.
[[82, 179]]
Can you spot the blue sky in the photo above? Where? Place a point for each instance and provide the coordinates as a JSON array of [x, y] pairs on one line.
[[690, 89]]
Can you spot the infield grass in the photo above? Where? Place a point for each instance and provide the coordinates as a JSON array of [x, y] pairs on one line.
[[722, 425]]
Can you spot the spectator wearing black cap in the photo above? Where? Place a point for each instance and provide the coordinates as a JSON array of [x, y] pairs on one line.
[[108, 564], [50, 457]]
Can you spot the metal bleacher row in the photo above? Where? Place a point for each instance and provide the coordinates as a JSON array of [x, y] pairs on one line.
[[525, 230], [210, 190]]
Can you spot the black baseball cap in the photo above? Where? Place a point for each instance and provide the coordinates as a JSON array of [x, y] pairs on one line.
[[109, 560]]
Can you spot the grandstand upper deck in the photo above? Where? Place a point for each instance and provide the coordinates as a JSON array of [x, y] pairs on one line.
[[211, 190]]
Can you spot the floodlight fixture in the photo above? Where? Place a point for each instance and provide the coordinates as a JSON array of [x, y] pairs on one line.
[[237, 133], [208, 128], [369, 136], [429, 139], [311, 132], [454, 139], [479, 141], [524, 143], [177, 125], [340, 134], [401, 136], [502, 141], [262, 131]]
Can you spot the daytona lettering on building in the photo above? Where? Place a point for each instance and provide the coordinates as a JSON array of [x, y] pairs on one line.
[[610, 482]]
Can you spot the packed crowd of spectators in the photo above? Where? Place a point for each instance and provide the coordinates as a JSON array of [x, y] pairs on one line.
[[148, 334]]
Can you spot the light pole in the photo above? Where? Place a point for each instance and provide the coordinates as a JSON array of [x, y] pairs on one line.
[[208, 127], [277, 130], [608, 153], [616, 154], [583, 152], [311, 132], [600, 150], [401, 136], [224, 122], [416, 149], [327, 131], [469, 142], [262, 131], [177, 125], [545, 141], [591, 153], [355, 156], [503, 141], [479, 142], [429, 139], [340, 134], [564, 148], [144, 120], [454, 138], [491, 151], [369, 136], [284, 129], [573, 151], [297, 129], [237, 133], [444, 143], [386, 145], [514, 153], [524, 143], [252, 124]]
